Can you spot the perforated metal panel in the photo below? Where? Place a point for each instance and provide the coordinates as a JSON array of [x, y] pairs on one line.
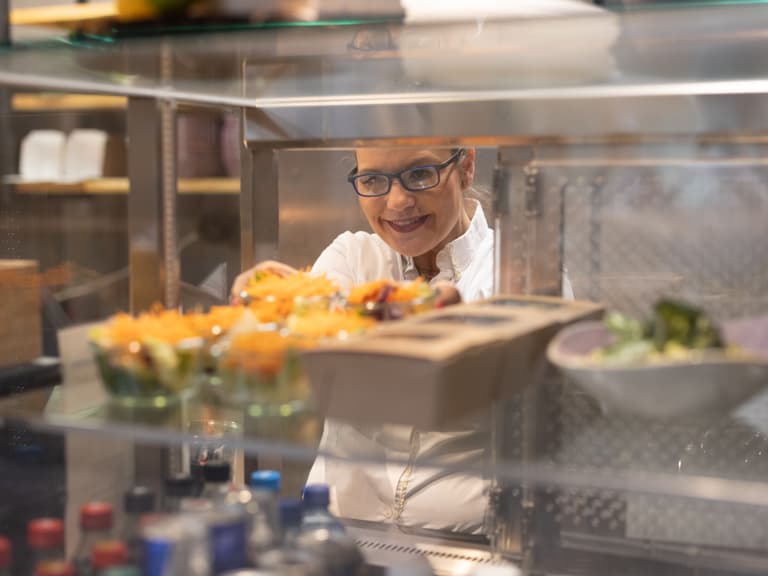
[[639, 223], [688, 229]]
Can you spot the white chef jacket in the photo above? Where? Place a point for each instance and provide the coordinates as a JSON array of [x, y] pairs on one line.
[[394, 492]]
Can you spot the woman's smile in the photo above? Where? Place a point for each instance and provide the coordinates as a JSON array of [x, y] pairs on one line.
[[406, 225]]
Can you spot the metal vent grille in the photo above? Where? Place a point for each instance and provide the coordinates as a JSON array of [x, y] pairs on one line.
[[428, 551]]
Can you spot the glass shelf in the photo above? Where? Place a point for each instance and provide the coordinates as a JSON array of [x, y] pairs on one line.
[[723, 460], [714, 50]]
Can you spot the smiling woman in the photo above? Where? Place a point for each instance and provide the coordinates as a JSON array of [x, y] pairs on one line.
[[417, 202], [425, 225]]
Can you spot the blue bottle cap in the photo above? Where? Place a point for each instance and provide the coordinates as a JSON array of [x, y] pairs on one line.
[[266, 479], [290, 513], [316, 495]]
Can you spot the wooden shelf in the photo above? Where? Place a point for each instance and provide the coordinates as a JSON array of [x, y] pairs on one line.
[[66, 15], [47, 102], [118, 186]]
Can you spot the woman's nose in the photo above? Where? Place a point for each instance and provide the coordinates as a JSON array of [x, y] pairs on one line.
[[398, 197]]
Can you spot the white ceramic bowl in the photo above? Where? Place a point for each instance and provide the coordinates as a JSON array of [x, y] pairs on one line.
[[712, 384]]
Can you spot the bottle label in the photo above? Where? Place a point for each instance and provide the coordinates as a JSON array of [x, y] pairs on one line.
[[228, 542]]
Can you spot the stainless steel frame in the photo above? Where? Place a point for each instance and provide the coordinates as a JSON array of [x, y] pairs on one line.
[[556, 142], [145, 210], [630, 114], [259, 206]]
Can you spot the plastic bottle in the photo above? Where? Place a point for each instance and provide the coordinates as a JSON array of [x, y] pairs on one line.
[[55, 568], [137, 502], [290, 521], [315, 500], [176, 488], [324, 536], [5, 556], [45, 540], [216, 476], [95, 525], [177, 545], [227, 538], [264, 520], [108, 554], [290, 559]]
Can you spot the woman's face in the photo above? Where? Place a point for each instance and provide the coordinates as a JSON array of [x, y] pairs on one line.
[[414, 223]]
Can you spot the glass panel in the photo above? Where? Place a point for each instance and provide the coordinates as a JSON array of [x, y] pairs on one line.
[[643, 53], [556, 473]]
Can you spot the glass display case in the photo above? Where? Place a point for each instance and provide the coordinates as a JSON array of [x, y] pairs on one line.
[[620, 154]]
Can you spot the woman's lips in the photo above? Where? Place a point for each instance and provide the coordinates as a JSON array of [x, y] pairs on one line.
[[405, 225]]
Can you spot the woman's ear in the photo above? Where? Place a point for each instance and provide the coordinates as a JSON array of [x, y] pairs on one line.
[[468, 167]]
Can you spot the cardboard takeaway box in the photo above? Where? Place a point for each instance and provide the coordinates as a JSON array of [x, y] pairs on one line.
[[430, 370], [20, 327]]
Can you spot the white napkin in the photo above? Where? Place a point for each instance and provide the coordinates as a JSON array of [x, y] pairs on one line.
[[42, 155], [453, 10], [84, 154]]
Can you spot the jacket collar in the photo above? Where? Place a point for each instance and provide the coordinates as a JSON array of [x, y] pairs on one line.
[[457, 255]]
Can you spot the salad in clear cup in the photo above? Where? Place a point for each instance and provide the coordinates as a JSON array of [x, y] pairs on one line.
[[260, 364], [150, 360], [274, 297], [390, 300], [323, 325], [213, 327]]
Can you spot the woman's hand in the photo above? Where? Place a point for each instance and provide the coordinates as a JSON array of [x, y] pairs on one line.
[[271, 266], [447, 294]]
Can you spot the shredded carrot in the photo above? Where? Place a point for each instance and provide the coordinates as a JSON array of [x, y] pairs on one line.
[[388, 291], [299, 285], [216, 322], [261, 352], [270, 311], [328, 323], [165, 326]]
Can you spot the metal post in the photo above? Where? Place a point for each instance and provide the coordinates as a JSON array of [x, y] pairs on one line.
[[144, 204], [171, 263], [528, 242], [152, 227], [5, 23], [259, 206], [259, 230], [527, 260]]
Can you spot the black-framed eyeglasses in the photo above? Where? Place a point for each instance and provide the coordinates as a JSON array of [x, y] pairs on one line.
[[415, 179]]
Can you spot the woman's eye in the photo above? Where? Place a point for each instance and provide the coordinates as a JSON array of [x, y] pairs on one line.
[[420, 175], [370, 181]]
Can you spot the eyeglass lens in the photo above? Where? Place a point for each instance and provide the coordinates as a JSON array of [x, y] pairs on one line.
[[414, 180]]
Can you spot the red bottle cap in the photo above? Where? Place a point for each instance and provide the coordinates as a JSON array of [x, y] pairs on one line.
[[5, 552], [55, 568], [45, 533], [108, 553], [96, 516]]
